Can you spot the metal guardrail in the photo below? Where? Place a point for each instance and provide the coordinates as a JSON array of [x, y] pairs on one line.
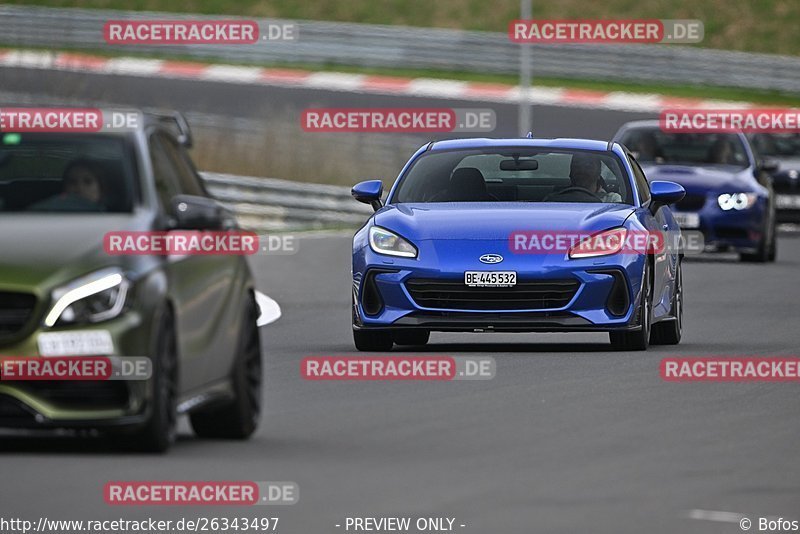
[[268, 204], [405, 47]]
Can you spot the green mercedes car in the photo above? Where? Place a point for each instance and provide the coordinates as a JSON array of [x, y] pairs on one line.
[[62, 294]]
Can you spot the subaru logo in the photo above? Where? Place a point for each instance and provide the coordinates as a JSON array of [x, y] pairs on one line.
[[491, 258]]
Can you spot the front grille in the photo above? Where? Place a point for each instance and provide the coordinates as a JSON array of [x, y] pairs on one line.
[[618, 299], [730, 233], [526, 295], [10, 409], [68, 394], [15, 312], [691, 202]]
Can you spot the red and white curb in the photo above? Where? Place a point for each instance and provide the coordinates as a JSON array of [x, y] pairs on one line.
[[354, 83]]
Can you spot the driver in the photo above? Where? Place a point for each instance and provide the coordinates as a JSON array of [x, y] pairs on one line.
[[82, 189], [586, 182]]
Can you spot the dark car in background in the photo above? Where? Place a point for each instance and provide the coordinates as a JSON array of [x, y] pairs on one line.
[[784, 151], [729, 195], [194, 316]]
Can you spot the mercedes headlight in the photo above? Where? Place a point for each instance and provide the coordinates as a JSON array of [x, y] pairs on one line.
[[90, 299], [737, 201], [383, 241]]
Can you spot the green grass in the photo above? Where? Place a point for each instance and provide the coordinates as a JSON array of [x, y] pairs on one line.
[[750, 25]]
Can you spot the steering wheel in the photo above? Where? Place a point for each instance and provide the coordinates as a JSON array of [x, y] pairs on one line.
[[576, 189]]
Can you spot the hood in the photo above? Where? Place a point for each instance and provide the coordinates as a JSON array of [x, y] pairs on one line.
[[496, 220], [702, 179], [45, 250]]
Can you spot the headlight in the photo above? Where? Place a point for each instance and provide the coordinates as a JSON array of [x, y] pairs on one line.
[[601, 244], [90, 299], [737, 201], [383, 241]]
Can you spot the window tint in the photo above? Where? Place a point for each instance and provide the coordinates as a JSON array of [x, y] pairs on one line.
[[515, 174], [188, 181], [641, 181], [651, 145], [166, 177], [42, 172]]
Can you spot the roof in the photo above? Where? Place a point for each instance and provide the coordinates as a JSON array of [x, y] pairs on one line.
[[579, 144]]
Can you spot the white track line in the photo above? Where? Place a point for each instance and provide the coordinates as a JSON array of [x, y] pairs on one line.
[[270, 311], [713, 515]]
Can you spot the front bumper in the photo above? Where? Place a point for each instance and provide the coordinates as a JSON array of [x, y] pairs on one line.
[[79, 404], [588, 309], [738, 231]]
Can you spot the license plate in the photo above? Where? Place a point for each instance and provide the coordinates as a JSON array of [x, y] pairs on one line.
[[78, 343], [490, 278], [687, 220], [787, 202]]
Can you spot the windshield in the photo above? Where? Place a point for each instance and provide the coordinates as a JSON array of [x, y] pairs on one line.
[[515, 175], [651, 145], [59, 173], [777, 145]]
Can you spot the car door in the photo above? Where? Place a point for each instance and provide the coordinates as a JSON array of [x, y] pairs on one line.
[[201, 284], [662, 223]]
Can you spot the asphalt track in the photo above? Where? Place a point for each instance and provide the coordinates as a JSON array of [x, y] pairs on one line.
[[261, 102], [569, 437]]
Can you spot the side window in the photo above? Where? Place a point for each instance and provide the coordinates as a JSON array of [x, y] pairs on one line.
[[641, 182], [188, 181], [167, 183]]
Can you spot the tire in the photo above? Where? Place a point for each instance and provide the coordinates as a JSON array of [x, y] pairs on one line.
[[373, 340], [159, 432], [412, 337], [638, 339], [238, 418], [767, 248], [772, 255], [670, 332]]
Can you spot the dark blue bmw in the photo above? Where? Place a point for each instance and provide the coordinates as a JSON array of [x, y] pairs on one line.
[[729, 193], [518, 235]]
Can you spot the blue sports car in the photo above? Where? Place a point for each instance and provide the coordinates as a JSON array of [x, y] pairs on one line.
[[729, 192], [518, 235]]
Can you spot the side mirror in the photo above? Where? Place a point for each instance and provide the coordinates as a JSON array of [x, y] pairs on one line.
[[663, 193], [200, 213], [369, 192], [768, 165]]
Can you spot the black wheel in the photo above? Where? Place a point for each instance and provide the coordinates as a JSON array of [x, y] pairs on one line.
[[412, 337], [160, 430], [638, 339], [239, 417], [670, 332], [767, 248], [772, 255], [373, 340]]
